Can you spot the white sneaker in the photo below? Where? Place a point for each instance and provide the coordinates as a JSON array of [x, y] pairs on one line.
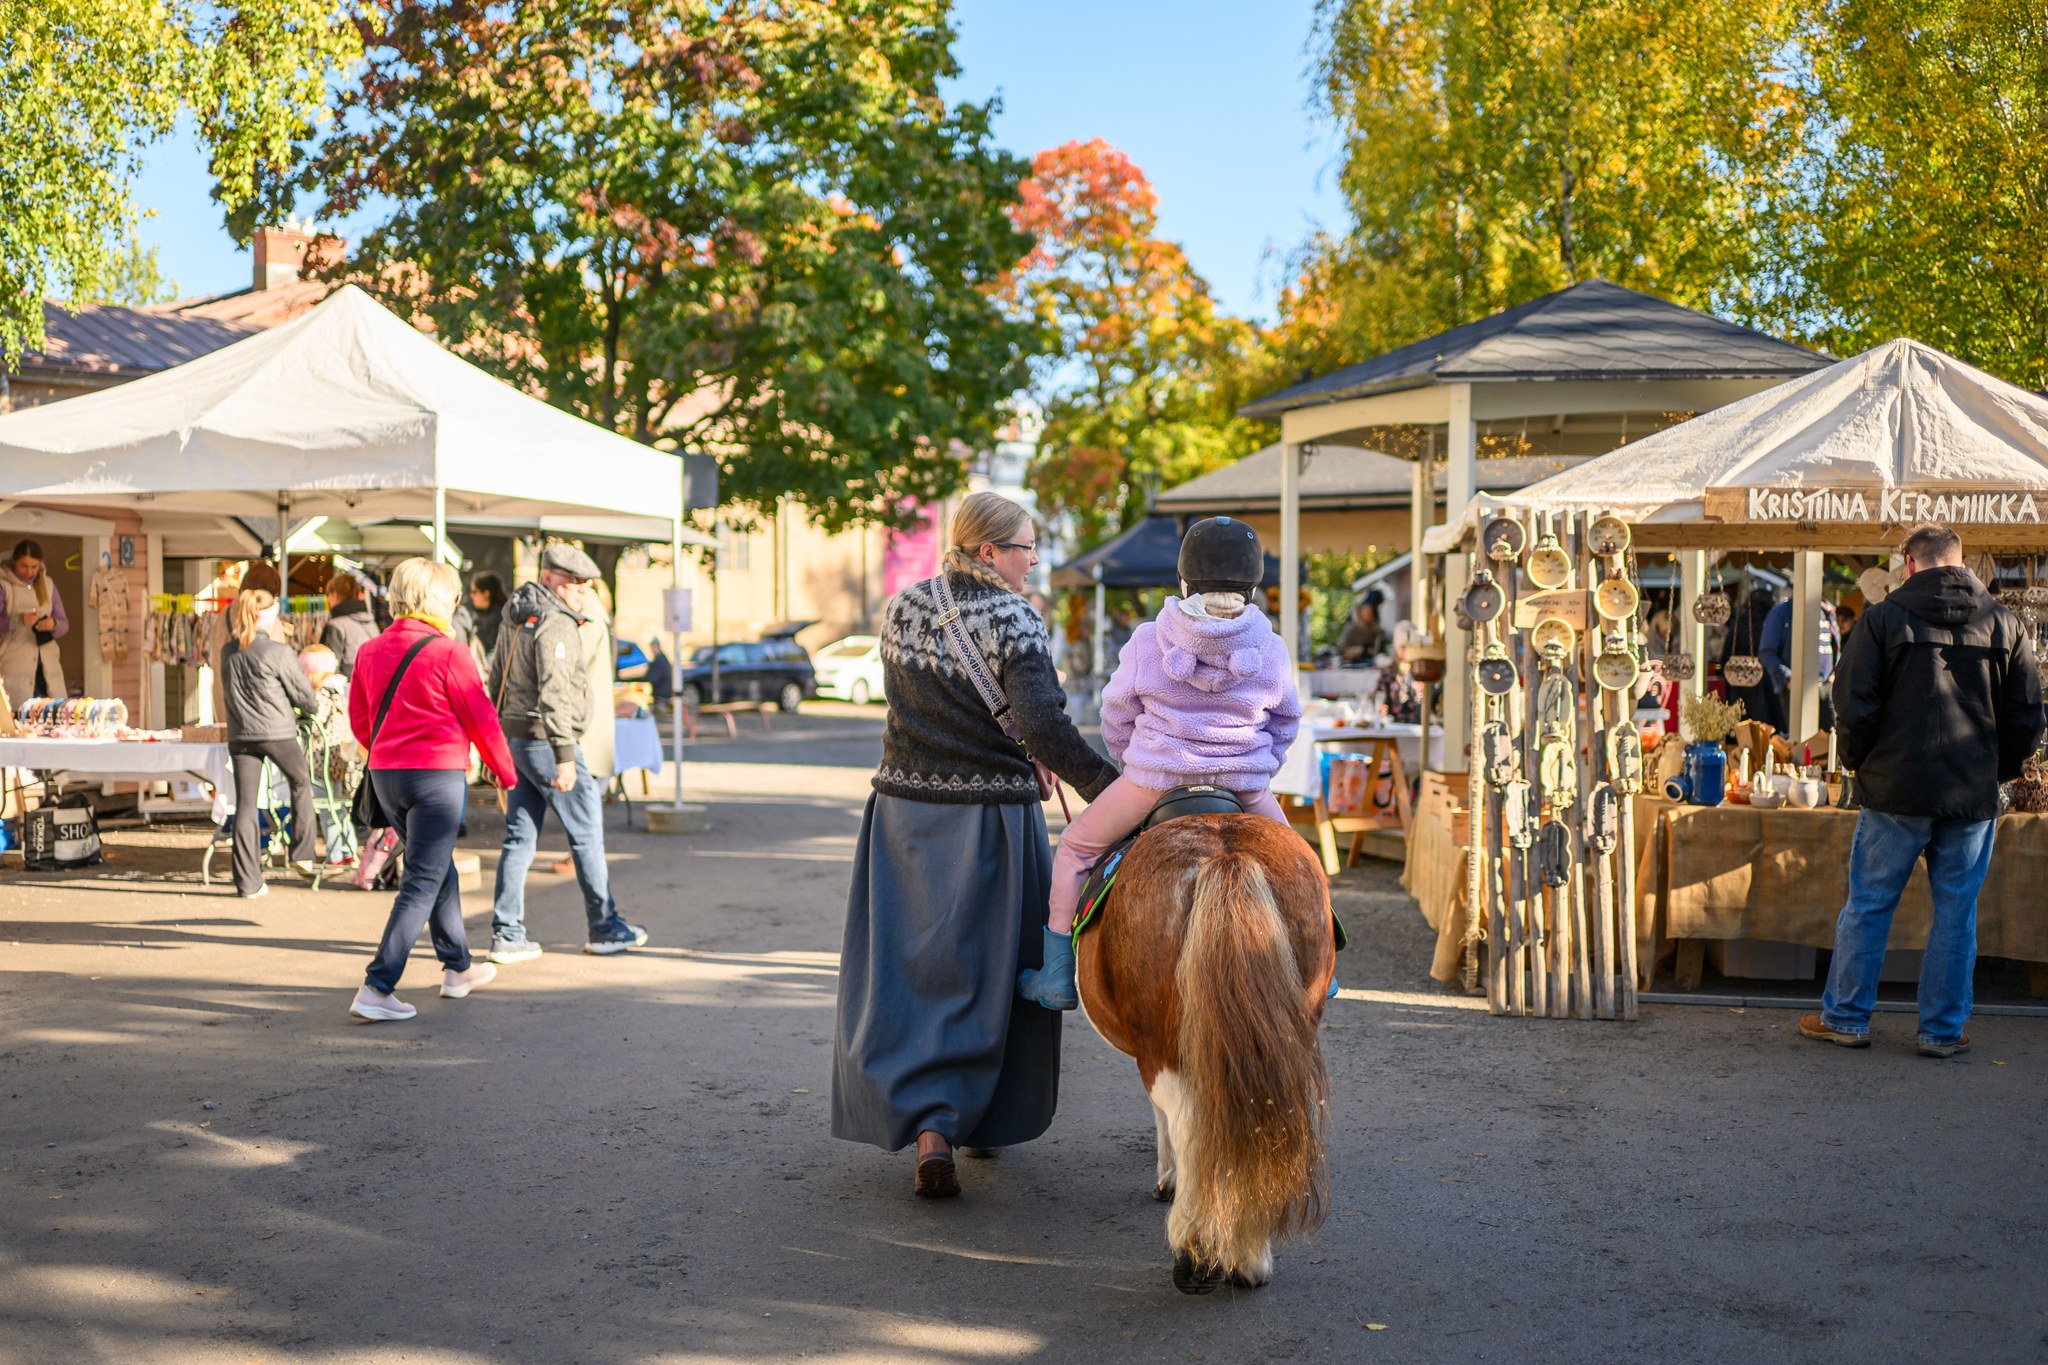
[[455, 985], [375, 1008], [262, 890]]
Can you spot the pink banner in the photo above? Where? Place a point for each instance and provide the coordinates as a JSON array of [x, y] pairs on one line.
[[912, 555]]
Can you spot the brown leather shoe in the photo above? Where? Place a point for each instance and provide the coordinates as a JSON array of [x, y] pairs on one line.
[[936, 1176], [1813, 1026], [1959, 1046]]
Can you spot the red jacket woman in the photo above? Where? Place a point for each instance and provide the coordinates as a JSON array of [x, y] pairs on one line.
[[419, 760]]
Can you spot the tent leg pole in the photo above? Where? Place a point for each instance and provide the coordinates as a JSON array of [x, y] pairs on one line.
[[1101, 639], [284, 554], [1290, 551], [440, 524]]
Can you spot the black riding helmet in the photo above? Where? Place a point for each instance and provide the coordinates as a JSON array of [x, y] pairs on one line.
[[1220, 554]]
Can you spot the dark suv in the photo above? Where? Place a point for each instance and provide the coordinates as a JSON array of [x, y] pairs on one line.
[[772, 670]]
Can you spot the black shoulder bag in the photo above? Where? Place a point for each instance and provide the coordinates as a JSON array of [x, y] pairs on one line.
[[369, 811]]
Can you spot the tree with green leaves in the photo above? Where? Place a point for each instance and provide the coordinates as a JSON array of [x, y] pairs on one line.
[[754, 228], [1136, 380], [86, 84], [1928, 207], [1498, 150]]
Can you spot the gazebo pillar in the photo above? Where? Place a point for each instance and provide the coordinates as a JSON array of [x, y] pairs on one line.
[[1290, 549], [1803, 701], [1421, 507], [1461, 477]]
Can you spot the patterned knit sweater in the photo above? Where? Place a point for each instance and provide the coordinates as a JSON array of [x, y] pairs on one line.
[[941, 744]]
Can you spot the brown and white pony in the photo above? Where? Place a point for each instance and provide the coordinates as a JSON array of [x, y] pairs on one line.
[[1208, 967]]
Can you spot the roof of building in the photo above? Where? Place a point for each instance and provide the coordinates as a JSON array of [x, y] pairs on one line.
[[123, 343], [1339, 478], [1592, 330], [252, 308]]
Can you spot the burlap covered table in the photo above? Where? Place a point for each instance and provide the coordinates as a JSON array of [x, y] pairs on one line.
[[1735, 872]]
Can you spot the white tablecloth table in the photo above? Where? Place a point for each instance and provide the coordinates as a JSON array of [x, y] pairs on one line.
[[119, 760], [1301, 773], [636, 743]]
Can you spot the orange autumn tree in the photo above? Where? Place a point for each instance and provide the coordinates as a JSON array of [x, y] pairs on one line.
[[1133, 383]]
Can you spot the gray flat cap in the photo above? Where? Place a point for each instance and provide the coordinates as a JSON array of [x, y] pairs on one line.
[[569, 560]]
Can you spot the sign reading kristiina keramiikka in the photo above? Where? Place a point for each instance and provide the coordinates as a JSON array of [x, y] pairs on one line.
[[1877, 506]]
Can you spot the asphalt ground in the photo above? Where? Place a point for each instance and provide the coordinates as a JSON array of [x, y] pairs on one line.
[[627, 1159]]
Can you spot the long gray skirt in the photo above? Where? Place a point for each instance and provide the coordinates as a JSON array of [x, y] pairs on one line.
[[948, 903]]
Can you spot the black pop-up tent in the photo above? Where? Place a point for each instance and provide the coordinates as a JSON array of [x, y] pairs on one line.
[[1146, 556]]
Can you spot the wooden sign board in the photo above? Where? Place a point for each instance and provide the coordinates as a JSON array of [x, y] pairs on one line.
[[1878, 506], [1569, 604]]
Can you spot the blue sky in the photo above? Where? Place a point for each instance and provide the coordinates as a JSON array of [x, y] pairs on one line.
[[1209, 98]]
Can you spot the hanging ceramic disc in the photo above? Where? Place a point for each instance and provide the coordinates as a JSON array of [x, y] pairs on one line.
[[1616, 669], [1549, 566], [1497, 676], [1607, 535], [1483, 599], [1553, 630], [1504, 538], [1616, 599]]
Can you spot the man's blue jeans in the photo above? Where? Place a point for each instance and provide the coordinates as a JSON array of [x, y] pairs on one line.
[[1958, 855], [581, 811]]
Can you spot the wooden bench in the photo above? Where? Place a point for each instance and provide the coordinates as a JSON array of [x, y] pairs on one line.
[[726, 710]]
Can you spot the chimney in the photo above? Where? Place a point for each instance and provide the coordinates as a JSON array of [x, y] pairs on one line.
[[281, 252]]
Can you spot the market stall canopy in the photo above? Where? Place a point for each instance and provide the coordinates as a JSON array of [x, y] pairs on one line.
[[1146, 556], [349, 411], [1335, 478], [1900, 434]]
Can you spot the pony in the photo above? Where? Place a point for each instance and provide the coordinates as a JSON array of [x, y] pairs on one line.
[[1209, 968]]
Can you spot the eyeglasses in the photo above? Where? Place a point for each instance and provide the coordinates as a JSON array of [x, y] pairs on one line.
[[1012, 545]]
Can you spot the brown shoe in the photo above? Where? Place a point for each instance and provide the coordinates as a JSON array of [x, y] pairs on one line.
[[936, 1177], [1813, 1026], [1960, 1045]]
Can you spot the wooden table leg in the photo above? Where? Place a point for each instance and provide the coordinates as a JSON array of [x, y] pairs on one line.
[[1692, 963], [2037, 980]]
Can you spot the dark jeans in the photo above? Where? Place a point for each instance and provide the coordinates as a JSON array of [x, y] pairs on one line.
[[247, 756], [425, 806], [581, 811]]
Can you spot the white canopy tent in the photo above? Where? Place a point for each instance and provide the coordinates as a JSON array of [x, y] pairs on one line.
[[345, 411], [1843, 458]]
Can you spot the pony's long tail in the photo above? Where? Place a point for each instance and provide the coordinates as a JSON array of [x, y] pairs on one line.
[[1252, 1070]]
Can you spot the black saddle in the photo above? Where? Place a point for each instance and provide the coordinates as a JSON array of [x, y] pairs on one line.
[[1195, 799]]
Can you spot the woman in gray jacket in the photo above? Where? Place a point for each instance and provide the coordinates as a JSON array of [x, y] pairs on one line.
[[265, 693]]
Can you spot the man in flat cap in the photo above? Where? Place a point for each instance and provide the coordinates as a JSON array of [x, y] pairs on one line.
[[541, 681]]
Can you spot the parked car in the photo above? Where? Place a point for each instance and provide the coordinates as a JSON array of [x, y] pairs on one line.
[[775, 670], [851, 669]]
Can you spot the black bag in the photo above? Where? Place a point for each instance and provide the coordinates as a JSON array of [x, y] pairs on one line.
[[369, 811], [61, 836]]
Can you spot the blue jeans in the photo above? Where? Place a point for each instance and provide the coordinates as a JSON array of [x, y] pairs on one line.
[[1958, 855], [581, 811], [425, 806]]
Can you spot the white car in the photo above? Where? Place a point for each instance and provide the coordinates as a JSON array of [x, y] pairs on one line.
[[850, 669]]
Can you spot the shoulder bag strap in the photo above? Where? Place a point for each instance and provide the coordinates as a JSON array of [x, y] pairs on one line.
[[969, 656], [391, 690]]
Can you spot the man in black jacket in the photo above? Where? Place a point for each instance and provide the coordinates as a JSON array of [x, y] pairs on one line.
[[1937, 701]]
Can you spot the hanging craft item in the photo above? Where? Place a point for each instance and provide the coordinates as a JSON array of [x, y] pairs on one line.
[[1497, 753], [1622, 747], [1616, 598], [1497, 676], [1483, 598], [1679, 666], [1607, 536], [1603, 819], [1875, 583], [1504, 538], [1713, 608], [1549, 566], [1616, 668], [1553, 630], [1743, 670], [1554, 854]]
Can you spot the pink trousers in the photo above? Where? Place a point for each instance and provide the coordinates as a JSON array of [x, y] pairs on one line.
[[1120, 809]]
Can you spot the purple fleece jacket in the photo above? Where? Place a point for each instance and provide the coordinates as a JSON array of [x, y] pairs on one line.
[[1201, 700]]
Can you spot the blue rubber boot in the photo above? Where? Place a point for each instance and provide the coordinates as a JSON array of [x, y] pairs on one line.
[[1053, 984]]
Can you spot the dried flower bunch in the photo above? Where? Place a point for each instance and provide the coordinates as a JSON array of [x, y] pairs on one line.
[[1709, 718]]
